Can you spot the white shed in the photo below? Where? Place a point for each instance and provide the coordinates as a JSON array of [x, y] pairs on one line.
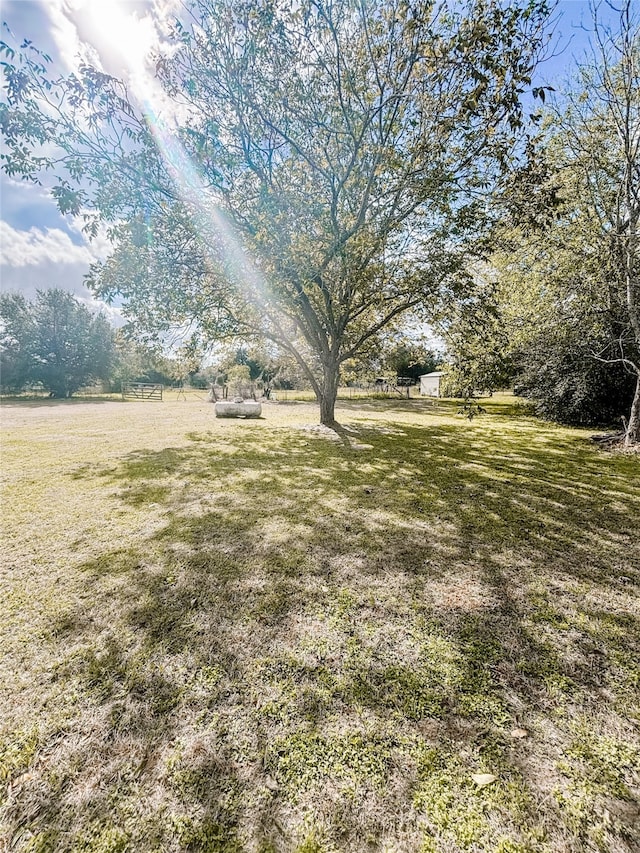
[[430, 384]]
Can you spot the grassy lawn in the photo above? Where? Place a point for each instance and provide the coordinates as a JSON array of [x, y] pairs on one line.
[[224, 635]]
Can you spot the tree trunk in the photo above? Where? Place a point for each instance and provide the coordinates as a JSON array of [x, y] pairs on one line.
[[633, 430], [327, 392]]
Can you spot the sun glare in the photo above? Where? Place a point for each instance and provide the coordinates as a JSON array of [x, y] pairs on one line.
[[121, 36]]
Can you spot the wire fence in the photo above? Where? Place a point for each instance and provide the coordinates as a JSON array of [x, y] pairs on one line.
[[348, 393], [283, 395]]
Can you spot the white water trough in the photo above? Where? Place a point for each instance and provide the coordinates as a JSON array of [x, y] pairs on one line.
[[238, 409]]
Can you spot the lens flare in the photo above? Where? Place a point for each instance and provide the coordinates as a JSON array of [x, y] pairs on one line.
[[206, 213], [125, 42]]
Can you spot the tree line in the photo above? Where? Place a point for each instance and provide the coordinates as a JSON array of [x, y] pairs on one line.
[[56, 344]]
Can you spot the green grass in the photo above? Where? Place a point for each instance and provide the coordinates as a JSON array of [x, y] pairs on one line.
[[246, 636]]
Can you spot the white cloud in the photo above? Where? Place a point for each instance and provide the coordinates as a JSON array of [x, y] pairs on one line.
[[41, 245], [39, 259], [120, 37], [111, 312], [36, 246]]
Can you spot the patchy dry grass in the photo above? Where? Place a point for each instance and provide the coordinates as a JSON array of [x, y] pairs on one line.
[[242, 636]]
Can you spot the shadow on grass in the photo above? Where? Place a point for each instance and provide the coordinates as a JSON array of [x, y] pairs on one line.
[[496, 406], [319, 646]]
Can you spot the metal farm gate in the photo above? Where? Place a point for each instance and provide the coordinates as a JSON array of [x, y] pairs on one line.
[[142, 391]]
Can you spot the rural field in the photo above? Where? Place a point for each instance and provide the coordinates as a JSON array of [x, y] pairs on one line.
[[421, 634]]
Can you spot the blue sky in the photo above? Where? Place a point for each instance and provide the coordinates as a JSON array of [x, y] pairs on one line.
[[42, 249]]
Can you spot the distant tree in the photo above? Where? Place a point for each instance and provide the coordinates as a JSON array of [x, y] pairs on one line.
[[601, 128], [182, 364], [17, 336], [268, 365], [137, 361], [55, 341], [554, 318], [239, 381], [129, 362], [201, 379], [558, 373], [404, 356], [256, 359]]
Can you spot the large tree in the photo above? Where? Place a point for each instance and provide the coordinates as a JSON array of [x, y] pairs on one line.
[[569, 286], [55, 341], [322, 174], [601, 126]]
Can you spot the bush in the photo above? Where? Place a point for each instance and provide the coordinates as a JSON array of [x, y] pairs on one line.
[[574, 388]]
